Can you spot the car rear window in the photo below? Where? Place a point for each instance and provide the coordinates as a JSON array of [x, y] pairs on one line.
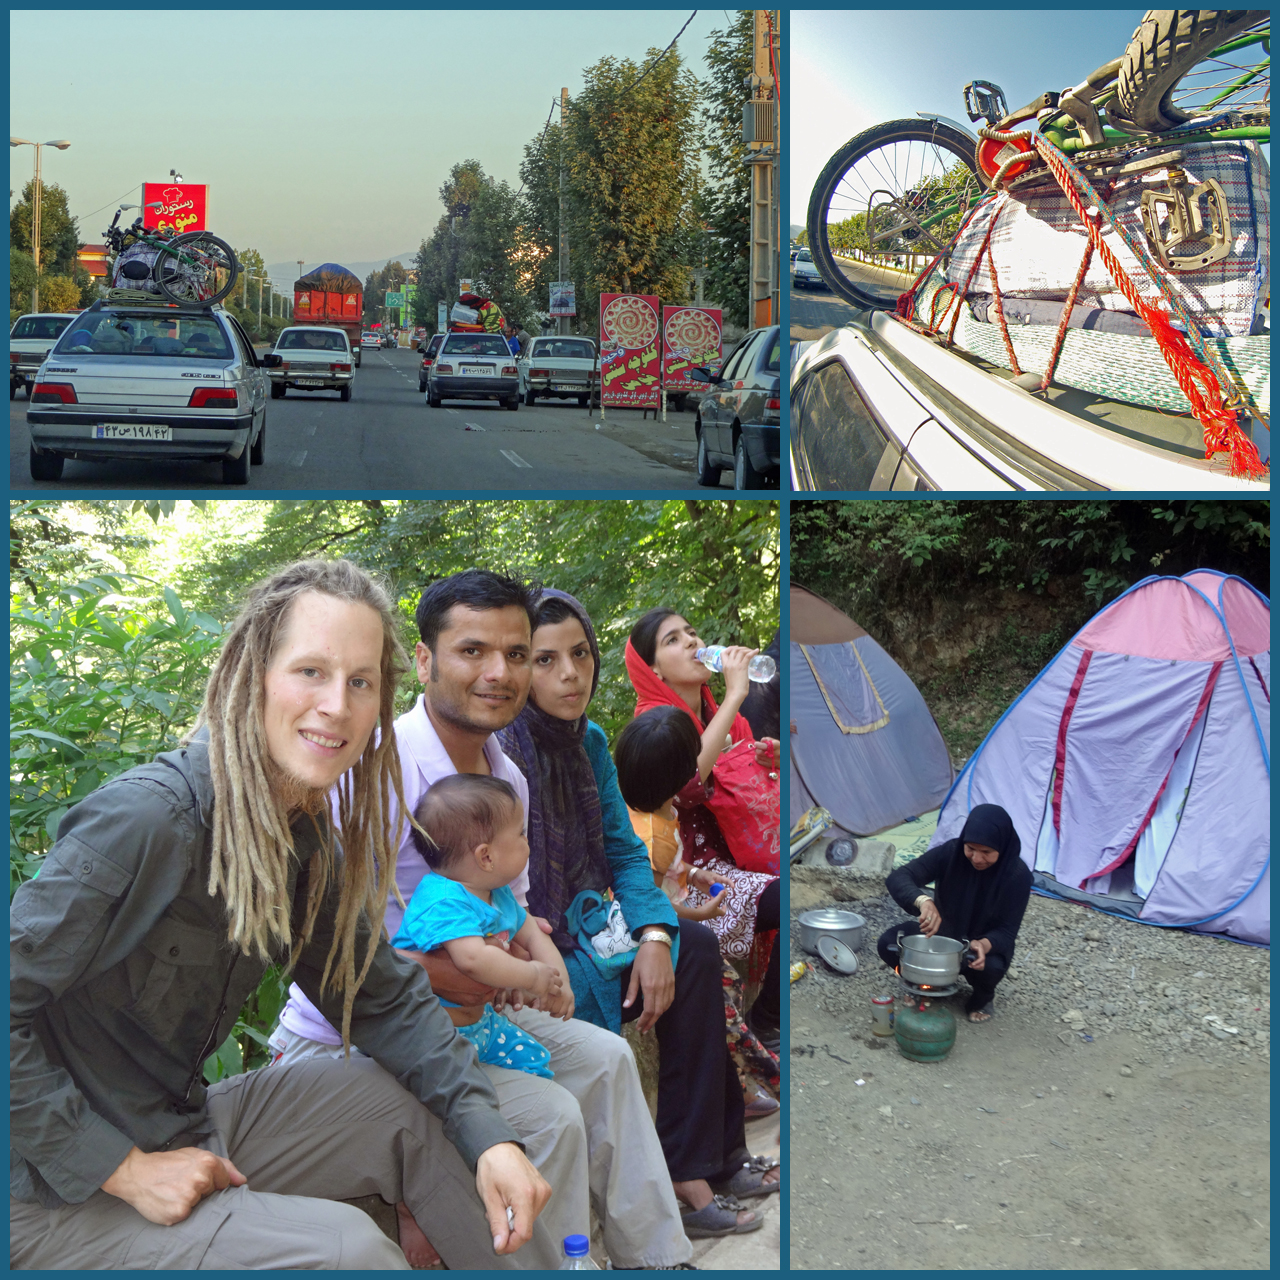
[[475, 344], [39, 326], [311, 340], [565, 348], [803, 255], [775, 352], [116, 334]]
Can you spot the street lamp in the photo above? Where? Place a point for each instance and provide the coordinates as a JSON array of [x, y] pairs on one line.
[[62, 145]]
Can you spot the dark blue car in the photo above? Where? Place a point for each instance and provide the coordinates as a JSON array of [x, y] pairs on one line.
[[739, 418]]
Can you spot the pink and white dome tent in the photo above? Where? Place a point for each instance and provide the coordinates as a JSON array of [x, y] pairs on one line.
[[1137, 765]]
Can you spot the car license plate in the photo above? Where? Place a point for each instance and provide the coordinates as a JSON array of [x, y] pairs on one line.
[[483, 370], [567, 386], [131, 431], [309, 382]]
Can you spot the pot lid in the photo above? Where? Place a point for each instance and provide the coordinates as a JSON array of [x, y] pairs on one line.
[[837, 955]]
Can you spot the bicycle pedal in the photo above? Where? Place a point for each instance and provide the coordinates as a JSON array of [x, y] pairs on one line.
[[1180, 204]]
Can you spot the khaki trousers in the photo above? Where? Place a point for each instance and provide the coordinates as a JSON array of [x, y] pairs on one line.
[[589, 1133], [322, 1131]]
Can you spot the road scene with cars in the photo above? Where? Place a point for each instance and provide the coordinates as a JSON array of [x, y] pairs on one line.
[[1069, 295], [566, 284]]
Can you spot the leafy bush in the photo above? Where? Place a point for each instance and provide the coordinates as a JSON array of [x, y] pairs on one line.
[[96, 686]]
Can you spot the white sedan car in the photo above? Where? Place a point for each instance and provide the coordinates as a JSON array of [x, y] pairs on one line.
[[804, 271], [876, 406]]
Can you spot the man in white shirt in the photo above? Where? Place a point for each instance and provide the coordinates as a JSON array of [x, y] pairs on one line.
[[588, 1131]]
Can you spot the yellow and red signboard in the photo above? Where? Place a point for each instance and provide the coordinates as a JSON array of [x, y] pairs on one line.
[[691, 336], [183, 206], [630, 342]]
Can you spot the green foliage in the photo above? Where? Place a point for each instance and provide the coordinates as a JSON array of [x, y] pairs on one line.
[[22, 279], [246, 1047], [715, 561], [59, 293], [98, 683], [726, 200], [59, 231]]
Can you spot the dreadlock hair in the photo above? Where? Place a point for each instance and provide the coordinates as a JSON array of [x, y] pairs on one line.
[[252, 842]]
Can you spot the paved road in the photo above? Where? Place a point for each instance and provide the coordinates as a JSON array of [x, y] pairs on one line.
[[818, 311], [386, 439]]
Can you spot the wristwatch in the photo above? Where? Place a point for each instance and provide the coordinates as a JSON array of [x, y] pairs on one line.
[[656, 935]]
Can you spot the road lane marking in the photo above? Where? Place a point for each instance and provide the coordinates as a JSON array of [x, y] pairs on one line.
[[297, 459], [310, 431], [515, 459], [473, 426]]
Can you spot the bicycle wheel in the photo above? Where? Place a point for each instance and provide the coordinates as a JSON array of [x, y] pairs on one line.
[[1183, 63], [197, 267], [902, 187]]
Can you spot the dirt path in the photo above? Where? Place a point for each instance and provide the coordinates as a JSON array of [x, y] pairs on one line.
[[1029, 1146]]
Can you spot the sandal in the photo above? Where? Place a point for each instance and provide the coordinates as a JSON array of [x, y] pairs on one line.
[[719, 1218], [760, 1104], [989, 1009], [749, 1180]]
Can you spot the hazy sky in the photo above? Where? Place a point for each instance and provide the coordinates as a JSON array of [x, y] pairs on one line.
[[323, 135], [852, 70]]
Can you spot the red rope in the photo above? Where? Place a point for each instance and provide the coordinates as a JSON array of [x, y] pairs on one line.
[[1221, 423], [1064, 320], [1004, 326]]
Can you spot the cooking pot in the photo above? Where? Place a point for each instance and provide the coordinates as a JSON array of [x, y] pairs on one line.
[[931, 962], [845, 926]]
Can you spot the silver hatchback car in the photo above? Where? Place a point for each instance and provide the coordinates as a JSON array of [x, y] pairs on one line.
[[150, 380]]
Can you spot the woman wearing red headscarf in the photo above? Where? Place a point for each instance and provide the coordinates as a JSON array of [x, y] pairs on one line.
[[664, 672]]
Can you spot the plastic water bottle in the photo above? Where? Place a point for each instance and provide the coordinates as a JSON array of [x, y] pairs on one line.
[[716, 888], [577, 1255], [761, 668]]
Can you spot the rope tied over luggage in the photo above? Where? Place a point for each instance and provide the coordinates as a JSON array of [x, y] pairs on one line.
[[1200, 373]]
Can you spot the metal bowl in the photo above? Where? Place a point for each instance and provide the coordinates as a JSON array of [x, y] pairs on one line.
[[845, 926], [837, 955]]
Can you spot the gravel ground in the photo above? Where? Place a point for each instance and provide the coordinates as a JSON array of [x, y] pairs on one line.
[[1099, 1121]]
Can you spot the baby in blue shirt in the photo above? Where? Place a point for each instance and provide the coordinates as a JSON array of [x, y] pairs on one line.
[[475, 845]]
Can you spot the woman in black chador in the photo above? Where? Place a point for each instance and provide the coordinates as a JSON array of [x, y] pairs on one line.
[[981, 891]]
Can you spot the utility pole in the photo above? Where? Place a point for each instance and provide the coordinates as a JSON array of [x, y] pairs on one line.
[[562, 322], [760, 133], [61, 145]]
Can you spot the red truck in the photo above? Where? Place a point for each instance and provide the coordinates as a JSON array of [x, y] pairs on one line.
[[330, 295]]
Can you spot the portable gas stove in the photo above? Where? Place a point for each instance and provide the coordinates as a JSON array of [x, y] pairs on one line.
[[925, 1030], [928, 993]]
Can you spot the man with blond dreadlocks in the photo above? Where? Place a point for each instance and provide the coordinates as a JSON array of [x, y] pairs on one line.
[[167, 894]]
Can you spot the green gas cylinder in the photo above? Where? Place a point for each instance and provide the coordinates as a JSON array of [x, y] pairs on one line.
[[925, 1030]]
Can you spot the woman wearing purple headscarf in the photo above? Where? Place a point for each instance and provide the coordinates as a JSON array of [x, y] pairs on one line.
[[581, 841]]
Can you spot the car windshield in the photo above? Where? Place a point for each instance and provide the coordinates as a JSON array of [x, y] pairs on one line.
[[39, 326], [475, 344], [116, 334], [565, 348], [311, 340], [803, 255]]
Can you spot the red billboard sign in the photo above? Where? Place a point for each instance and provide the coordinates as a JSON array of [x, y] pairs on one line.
[[691, 336], [630, 369], [183, 206]]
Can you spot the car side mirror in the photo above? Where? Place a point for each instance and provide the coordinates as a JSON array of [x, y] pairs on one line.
[[703, 374], [271, 360]]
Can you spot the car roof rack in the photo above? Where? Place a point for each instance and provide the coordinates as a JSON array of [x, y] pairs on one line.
[[140, 298]]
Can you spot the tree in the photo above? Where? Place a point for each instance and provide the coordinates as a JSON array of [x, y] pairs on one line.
[[725, 204], [390, 278], [22, 279], [59, 231], [59, 293], [629, 149]]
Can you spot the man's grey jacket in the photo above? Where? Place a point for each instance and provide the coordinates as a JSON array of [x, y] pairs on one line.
[[122, 982]]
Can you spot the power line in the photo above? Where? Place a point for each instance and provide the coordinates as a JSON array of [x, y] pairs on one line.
[[664, 53], [136, 186], [545, 127]]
